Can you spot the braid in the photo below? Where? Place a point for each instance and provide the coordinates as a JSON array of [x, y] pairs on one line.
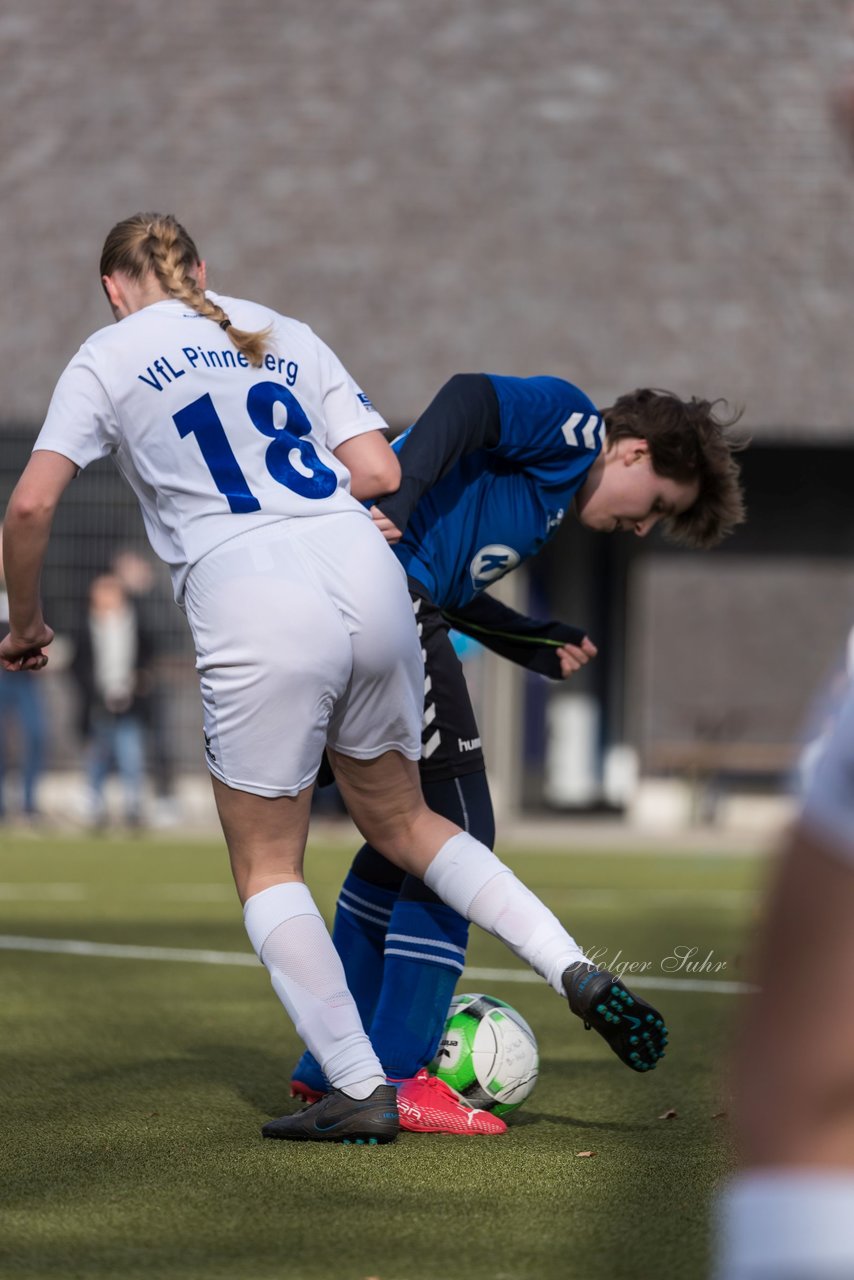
[[157, 242]]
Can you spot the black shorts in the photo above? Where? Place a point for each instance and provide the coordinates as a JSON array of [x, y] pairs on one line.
[[450, 738]]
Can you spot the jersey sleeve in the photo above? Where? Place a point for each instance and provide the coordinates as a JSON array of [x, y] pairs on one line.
[[81, 421], [526, 641], [461, 417], [546, 422], [347, 409], [828, 803]]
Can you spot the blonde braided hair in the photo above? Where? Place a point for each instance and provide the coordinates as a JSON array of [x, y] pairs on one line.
[[156, 242]]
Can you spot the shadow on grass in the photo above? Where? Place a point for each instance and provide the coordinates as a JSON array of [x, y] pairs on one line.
[[575, 1122], [258, 1078]]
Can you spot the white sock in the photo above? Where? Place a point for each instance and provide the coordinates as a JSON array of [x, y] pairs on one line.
[[786, 1224], [292, 942], [469, 878]]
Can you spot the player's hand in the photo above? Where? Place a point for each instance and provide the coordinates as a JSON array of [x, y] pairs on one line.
[[390, 531], [574, 656], [25, 653]]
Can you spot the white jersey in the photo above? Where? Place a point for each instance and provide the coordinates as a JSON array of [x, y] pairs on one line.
[[211, 446], [828, 803]]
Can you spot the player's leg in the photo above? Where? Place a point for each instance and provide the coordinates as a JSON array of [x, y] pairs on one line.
[[266, 841], [362, 916], [403, 949], [426, 939], [263, 779], [130, 760], [384, 797], [33, 731], [789, 1211], [99, 753], [426, 943], [385, 801], [413, 977], [424, 958], [7, 705]]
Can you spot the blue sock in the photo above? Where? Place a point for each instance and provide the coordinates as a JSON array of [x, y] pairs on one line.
[[361, 920], [425, 951]]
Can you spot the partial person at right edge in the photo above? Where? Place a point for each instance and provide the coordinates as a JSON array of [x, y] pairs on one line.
[[786, 1212]]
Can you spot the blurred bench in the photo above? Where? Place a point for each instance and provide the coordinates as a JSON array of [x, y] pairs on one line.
[[712, 767]]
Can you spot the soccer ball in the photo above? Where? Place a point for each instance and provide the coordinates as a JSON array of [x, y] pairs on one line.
[[488, 1053]]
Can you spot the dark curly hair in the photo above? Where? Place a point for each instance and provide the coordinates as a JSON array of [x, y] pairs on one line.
[[688, 441]]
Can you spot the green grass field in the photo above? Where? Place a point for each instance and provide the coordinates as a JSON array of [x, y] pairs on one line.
[[134, 1087]]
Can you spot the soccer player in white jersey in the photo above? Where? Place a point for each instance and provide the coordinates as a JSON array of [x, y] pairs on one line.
[[789, 1212], [787, 1215], [249, 447]]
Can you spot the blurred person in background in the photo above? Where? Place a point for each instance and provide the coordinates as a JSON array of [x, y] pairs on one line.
[[787, 1213], [112, 655], [22, 726], [138, 577]]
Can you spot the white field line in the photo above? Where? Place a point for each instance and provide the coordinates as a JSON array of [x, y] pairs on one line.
[[712, 987], [52, 892], [218, 892], [186, 955], [122, 951]]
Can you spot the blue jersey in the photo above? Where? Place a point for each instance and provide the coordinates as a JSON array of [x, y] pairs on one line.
[[497, 506]]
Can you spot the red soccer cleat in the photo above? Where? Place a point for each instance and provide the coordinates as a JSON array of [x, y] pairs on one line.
[[305, 1091], [428, 1105]]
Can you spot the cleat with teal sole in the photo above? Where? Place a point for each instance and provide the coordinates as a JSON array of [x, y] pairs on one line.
[[606, 1005]]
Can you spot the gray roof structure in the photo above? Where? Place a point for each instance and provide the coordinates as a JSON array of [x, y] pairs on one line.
[[623, 194]]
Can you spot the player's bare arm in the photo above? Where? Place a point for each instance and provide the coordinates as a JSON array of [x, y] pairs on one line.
[[26, 530], [372, 463]]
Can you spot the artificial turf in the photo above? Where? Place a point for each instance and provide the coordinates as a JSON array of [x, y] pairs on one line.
[[133, 1089]]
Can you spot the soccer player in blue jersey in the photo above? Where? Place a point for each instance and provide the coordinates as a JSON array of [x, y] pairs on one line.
[[488, 473]]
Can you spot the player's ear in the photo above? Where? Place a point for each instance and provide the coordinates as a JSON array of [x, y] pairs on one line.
[[201, 274], [115, 296], [637, 451]]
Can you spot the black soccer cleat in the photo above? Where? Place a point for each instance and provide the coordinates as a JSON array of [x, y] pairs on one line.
[[339, 1118], [634, 1030]]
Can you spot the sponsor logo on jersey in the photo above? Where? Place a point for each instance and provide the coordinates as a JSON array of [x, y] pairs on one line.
[[364, 399], [468, 744], [555, 518], [491, 563]]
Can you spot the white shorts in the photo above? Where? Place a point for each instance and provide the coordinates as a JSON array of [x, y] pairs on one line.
[[304, 635]]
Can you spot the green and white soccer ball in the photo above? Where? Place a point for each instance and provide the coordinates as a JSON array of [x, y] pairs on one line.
[[488, 1053]]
